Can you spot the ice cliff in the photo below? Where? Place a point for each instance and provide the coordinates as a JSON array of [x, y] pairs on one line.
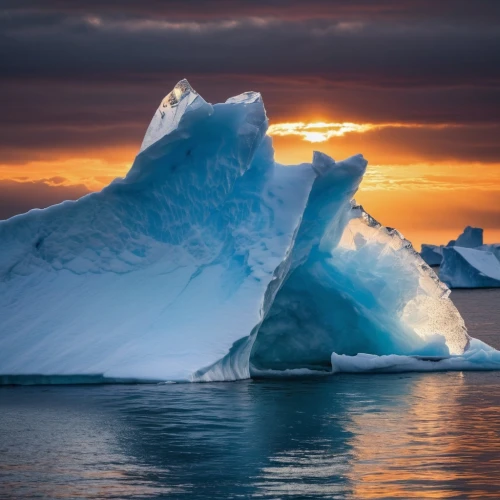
[[210, 261]]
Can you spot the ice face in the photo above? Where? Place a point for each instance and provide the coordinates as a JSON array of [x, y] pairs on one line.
[[209, 261], [343, 298]]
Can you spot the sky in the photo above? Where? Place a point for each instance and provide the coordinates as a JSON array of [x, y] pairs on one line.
[[413, 85]]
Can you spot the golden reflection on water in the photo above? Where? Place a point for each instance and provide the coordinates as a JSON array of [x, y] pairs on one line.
[[410, 437], [428, 447], [347, 437]]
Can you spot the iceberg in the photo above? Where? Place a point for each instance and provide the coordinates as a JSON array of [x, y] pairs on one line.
[[471, 237], [470, 267], [209, 261]]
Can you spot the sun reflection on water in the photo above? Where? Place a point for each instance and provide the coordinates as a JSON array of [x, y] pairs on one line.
[[439, 444]]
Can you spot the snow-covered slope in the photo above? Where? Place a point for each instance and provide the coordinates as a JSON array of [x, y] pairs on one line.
[[209, 261], [470, 268]]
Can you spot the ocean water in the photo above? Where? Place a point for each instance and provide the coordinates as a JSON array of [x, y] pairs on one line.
[[481, 311], [424, 435]]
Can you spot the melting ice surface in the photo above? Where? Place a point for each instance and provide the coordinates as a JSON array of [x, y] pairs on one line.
[[210, 261]]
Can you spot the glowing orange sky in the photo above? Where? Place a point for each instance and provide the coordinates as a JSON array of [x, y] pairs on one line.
[[428, 201]]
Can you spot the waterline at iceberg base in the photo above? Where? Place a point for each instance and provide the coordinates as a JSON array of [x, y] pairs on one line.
[[209, 261]]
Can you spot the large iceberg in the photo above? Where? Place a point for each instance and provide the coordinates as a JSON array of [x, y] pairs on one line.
[[210, 261]]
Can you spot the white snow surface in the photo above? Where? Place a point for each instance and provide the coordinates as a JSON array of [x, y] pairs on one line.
[[210, 261]]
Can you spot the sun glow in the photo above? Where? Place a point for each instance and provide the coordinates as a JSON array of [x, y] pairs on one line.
[[323, 131], [317, 131]]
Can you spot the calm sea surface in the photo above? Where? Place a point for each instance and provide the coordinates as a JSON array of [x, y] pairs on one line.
[[346, 436]]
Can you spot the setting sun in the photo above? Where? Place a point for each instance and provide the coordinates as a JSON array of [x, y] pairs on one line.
[[317, 131]]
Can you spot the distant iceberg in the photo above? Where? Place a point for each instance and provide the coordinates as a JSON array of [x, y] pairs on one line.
[[210, 261], [471, 237], [466, 262], [470, 267]]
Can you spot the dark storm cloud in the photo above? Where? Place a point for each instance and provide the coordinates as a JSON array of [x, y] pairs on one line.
[[88, 74], [409, 145], [477, 10], [465, 144], [86, 48], [61, 104], [25, 143], [17, 197]]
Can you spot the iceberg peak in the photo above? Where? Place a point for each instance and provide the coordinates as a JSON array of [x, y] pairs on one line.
[[322, 162], [181, 90], [180, 101]]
